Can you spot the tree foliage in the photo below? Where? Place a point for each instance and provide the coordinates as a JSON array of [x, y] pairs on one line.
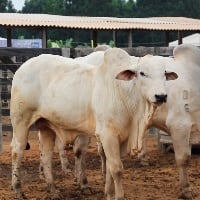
[[159, 8], [6, 6]]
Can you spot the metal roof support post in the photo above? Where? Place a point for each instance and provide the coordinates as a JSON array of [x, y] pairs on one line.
[[9, 37], [44, 38], [130, 41], [115, 37], [94, 36], [180, 37], [166, 38]]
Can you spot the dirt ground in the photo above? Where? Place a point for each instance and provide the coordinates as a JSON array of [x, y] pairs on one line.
[[159, 180]]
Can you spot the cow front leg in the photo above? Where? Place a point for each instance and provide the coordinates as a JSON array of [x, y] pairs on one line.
[[109, 184], [114, 166], [103, 159], [80, 148], [182, 149], [47, 141]]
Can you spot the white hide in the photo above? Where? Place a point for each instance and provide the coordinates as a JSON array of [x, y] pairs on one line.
[[180, 116], [71, 98]]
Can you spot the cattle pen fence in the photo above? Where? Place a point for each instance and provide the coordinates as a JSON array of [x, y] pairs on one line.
[[12, 58]]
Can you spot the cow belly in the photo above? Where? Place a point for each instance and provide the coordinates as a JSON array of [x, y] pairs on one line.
[[66, 134], [195, 135], [195, 138]]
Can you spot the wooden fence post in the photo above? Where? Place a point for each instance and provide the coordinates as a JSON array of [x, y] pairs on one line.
[[1, 132]]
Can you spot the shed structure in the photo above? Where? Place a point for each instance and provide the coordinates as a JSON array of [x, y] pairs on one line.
[[44, 21], [193, 39]]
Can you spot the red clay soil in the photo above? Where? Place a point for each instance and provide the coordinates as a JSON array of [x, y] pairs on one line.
[[158, 181]]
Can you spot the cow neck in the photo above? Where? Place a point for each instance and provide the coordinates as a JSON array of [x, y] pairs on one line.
[[124, 101]]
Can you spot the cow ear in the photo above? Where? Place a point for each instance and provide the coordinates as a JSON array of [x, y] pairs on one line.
[[126, 75], [171, 76]]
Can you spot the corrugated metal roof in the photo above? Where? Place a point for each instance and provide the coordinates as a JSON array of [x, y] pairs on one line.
[[106, 23]]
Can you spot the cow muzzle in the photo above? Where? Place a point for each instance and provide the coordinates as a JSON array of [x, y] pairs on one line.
[[160, 99]]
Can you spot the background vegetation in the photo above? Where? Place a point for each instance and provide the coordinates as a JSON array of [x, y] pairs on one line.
[[105, 8]]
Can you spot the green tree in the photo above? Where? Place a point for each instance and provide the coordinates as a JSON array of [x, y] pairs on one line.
[[3, 4], [10, 7], [33, 6], [159, 8], [6, 6]]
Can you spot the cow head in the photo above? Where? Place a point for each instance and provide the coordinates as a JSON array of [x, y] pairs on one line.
[[151, 75]]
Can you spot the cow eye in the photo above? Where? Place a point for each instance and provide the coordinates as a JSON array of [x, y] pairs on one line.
[[142, 74]]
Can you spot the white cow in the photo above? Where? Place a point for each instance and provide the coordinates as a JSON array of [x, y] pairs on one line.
[[81, 143], [180, 115], [68, 100]]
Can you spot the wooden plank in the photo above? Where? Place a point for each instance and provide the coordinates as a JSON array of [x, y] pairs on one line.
[[12, 67], [166, 139], [5, 81], [8, 127], [1, 134], [1, 137], [5, 112], [28, 51], [5, 95]]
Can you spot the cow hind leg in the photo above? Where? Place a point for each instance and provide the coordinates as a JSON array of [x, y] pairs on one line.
[[103, 159], [80, 148], [47, 141], [18, 144]]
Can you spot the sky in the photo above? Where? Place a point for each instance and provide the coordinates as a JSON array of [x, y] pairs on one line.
[[18, 4]]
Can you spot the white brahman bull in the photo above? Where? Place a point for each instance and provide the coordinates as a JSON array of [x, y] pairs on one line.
[[68, 100], [180, 116], [81, 143]]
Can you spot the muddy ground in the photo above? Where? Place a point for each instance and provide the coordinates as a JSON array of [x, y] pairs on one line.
[[159, 180]]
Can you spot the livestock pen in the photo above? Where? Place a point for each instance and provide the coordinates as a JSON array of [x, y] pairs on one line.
[[142, 182]]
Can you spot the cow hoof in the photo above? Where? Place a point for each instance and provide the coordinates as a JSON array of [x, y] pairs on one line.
[[41, 176], [110, 197], [144, 163], [67, 171], [86, 190], [186, 193], [20, 196], [54, 196]]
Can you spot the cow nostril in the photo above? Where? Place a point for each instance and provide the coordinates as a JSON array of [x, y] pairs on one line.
[[161, 98]]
